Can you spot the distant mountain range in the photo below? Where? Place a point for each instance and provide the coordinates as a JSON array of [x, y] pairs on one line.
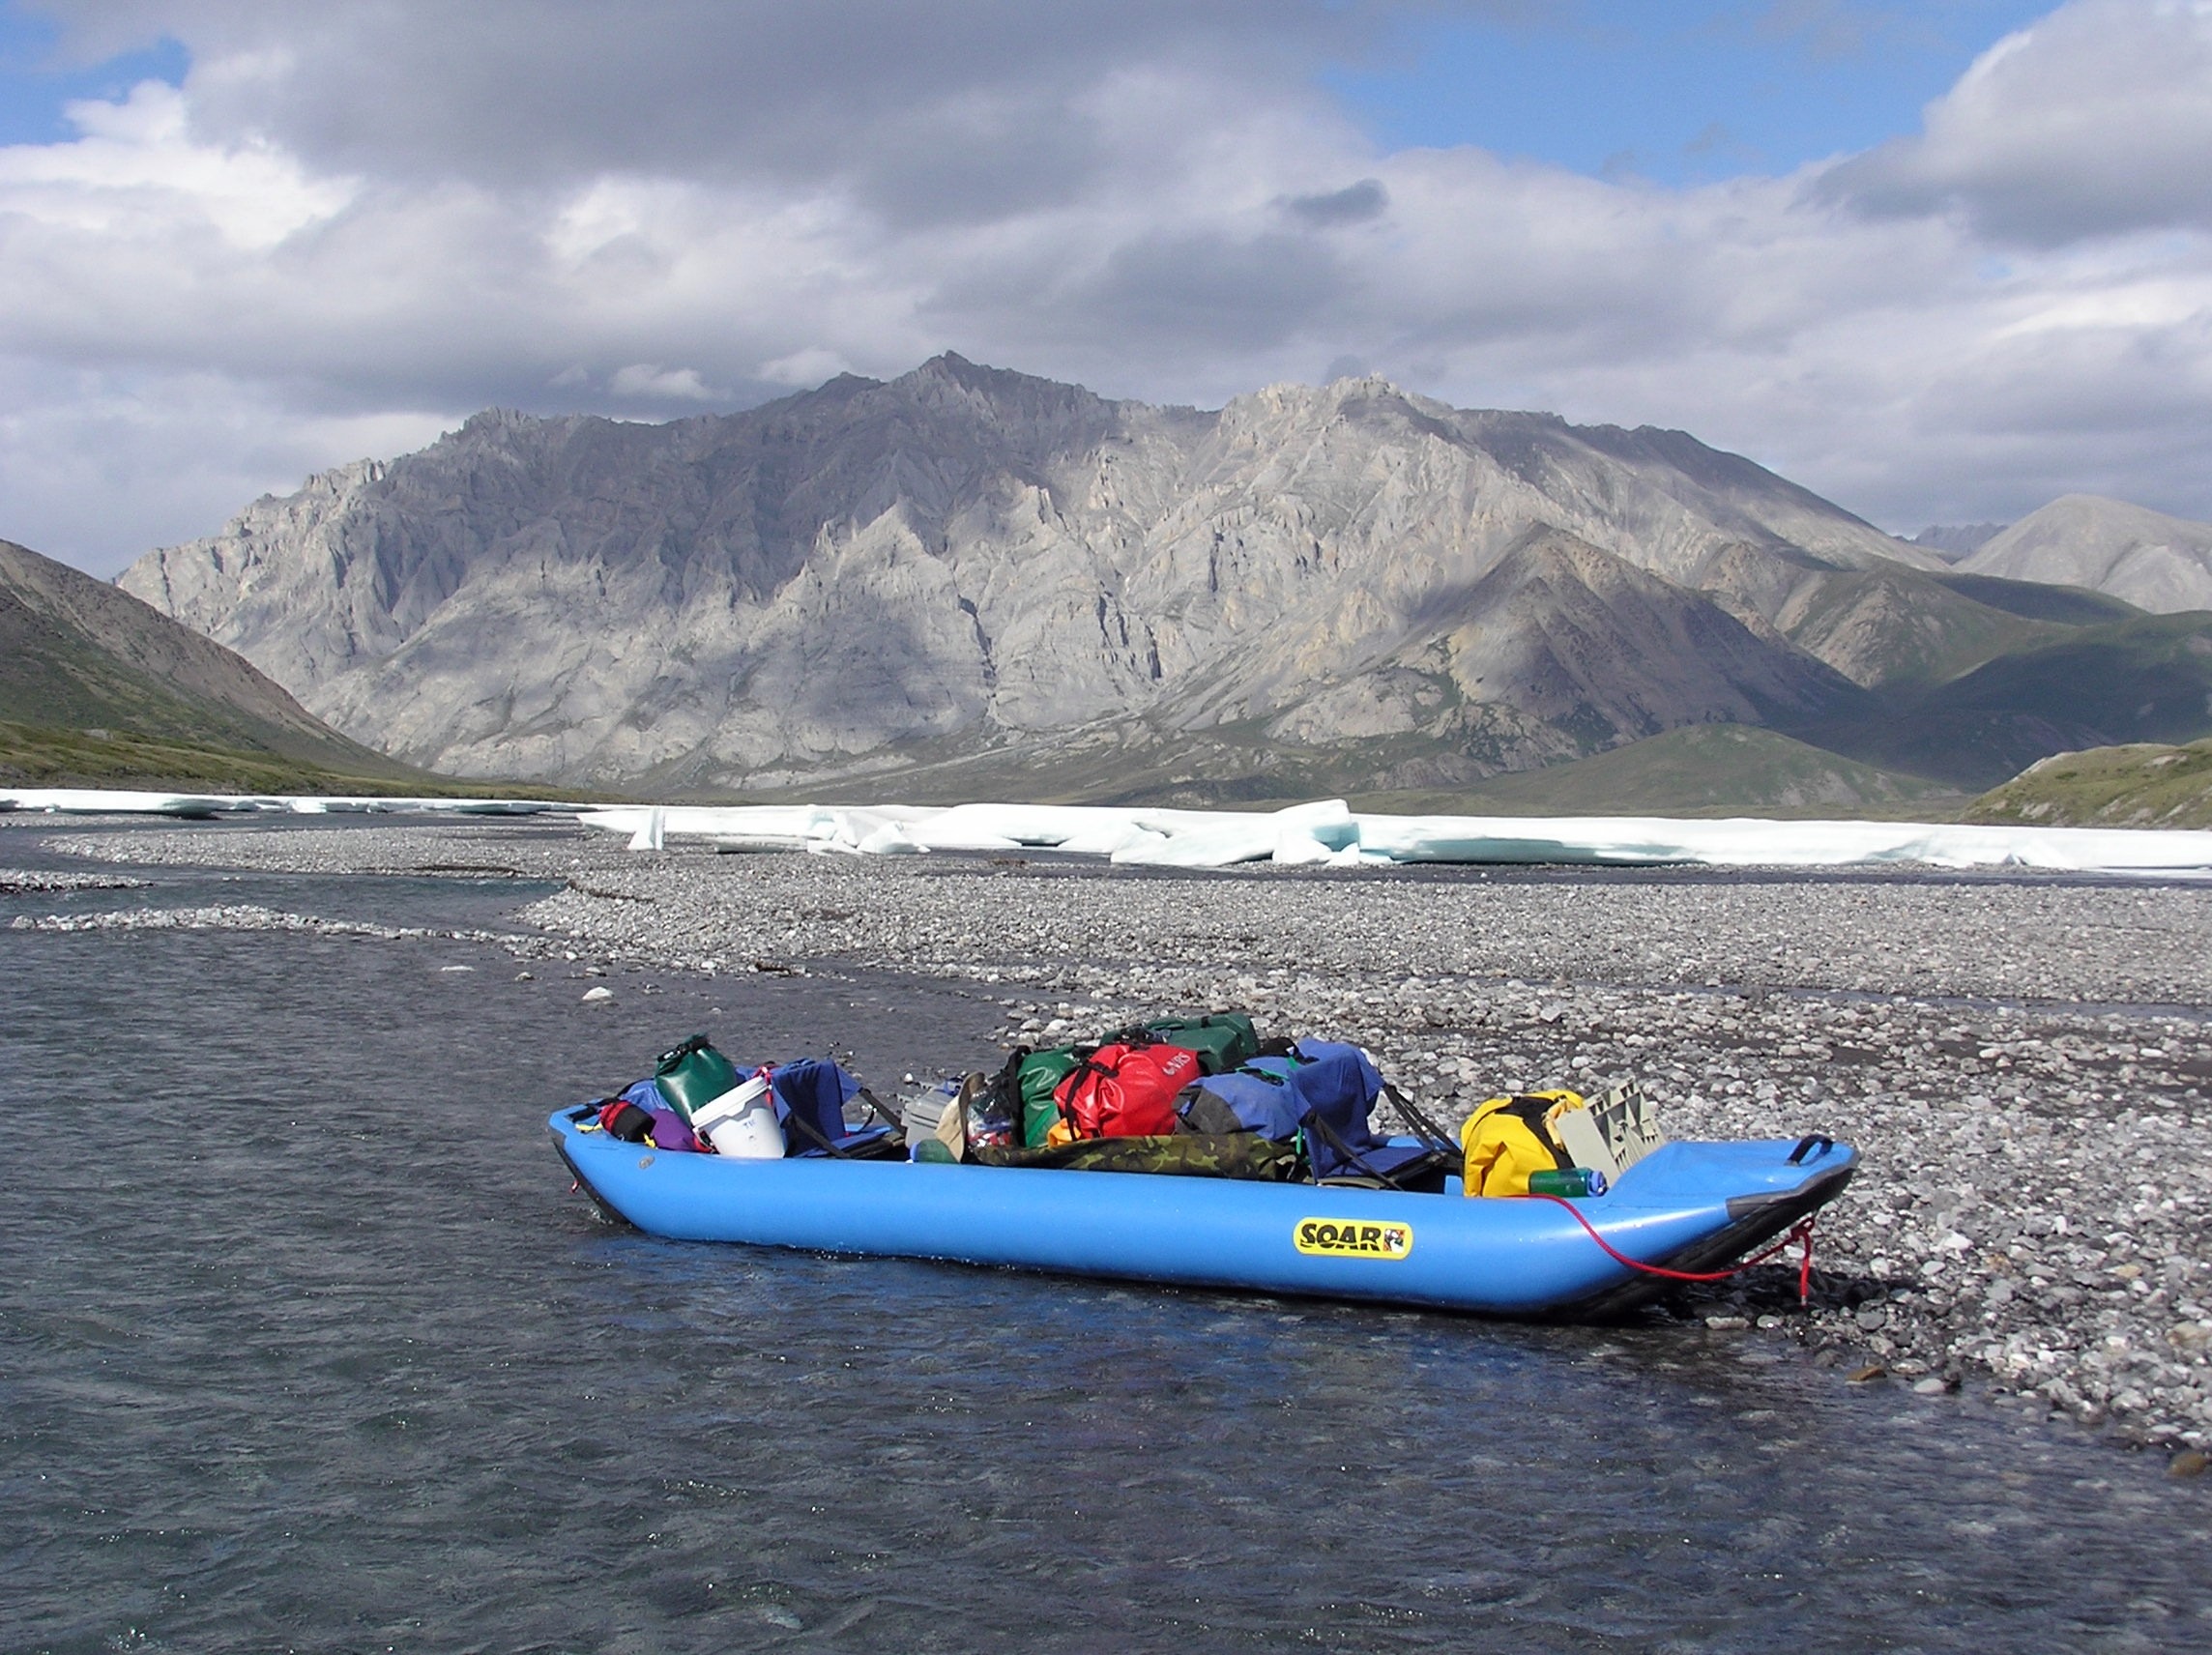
[[1952, 541], [985, 583]]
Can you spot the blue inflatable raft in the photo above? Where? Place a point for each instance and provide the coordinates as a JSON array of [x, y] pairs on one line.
[[1685, 1207]]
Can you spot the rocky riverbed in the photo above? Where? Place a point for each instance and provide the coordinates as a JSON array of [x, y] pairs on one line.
[[2022, 1060]]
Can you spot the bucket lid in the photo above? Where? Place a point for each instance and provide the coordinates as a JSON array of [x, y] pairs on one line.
[[734, 1102]]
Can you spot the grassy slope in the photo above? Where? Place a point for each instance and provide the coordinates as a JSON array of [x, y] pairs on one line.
[[2140, 785], [1896, 627], [33, 755], [1980, 676], [97, 689], [76, 654], [1712, 769], [1709, 769], [1122, 764], [2145, 678]]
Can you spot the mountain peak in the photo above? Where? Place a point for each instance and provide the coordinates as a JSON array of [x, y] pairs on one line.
[[2155, 562]]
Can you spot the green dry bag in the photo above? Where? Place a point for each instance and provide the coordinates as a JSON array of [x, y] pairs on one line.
[[1040, 1073], [1224, 1041], [693, 1075]]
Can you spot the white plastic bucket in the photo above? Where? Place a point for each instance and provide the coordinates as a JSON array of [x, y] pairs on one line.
[[742, 1123]]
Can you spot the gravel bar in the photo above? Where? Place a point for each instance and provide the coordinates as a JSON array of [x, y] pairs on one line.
[[2022, 1060]]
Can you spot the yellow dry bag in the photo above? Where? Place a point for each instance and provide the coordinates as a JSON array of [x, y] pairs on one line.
[[1508, 1138]]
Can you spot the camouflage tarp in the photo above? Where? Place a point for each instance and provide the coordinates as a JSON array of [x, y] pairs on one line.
[[1181, 1154]]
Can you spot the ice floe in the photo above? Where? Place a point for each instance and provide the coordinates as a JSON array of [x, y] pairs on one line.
[[1329, 833], [118, 801], [1326, 833]]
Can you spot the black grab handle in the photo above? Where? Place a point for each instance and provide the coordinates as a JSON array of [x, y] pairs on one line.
[[1806, 1144]]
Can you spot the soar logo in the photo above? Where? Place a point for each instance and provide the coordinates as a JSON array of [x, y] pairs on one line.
[[1343, 1238]]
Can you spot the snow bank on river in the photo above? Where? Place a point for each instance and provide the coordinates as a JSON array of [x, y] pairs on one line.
[[1328, 833], [117, 802], [1323, 833]]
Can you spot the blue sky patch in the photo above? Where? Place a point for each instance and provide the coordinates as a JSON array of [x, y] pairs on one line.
[[1685, 92], [37, 84]]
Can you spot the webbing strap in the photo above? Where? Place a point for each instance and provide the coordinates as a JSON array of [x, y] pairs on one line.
[[875, 1107], [807, 1129], [1531, 1112], [1394, 1180], [1088, 1064], [1424, 1128]]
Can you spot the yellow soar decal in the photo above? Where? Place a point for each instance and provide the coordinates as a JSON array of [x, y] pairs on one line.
[[1347, 1238]]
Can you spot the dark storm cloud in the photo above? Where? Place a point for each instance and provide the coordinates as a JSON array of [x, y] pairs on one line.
[[956, 109], [1215, 292], [1354, 204]]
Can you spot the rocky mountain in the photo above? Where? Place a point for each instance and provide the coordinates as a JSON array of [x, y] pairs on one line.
[[1953, 541], [996, 584], [966, 561], [2154, 562], [76, 654]]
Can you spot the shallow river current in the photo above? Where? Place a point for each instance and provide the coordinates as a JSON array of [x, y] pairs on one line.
[[304, 1343]]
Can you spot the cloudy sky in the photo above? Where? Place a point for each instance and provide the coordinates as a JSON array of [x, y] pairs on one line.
[[1941, 261]]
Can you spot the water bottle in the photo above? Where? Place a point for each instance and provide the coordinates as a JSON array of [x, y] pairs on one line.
[[1571, 1182], [994, 1111]]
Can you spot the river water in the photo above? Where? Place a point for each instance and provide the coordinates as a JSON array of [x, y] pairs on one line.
[[306, 1343]]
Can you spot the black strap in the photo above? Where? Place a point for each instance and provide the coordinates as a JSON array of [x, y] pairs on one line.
[[1136, 1034], [1424, 1128], [875, 1107], [1393, 1180], [1087, 1064], [1531, 1112], [1007, 1084], [807, 1129], [1807, 1143]]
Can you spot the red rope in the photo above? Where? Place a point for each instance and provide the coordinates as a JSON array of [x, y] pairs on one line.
[[1803, 1232]]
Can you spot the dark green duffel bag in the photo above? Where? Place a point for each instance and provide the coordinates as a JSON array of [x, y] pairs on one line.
[[1224, 1041]]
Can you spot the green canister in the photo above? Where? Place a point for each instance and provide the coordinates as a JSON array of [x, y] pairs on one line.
[[693, 1075], [1572, 1181]]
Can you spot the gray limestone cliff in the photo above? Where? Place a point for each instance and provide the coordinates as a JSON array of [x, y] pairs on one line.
[[965, 560]]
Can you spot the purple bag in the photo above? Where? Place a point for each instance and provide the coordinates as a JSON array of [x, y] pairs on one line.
[[670, 1130]]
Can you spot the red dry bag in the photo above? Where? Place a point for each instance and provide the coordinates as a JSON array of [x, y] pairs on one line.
[[1125, 1092]]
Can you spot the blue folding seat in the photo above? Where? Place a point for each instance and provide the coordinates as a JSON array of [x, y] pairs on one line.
[[810, 1098], [1339, 1085]]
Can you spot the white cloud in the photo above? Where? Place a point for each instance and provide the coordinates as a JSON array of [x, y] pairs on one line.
[[349, 214], [137, 158], [651, 382], [808, 366], [2095, 121]]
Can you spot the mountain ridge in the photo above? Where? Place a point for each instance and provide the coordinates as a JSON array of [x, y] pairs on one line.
[[980, 554], [971, 572]]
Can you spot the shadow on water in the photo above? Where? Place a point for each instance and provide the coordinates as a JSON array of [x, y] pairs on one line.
[[305, 1342]]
